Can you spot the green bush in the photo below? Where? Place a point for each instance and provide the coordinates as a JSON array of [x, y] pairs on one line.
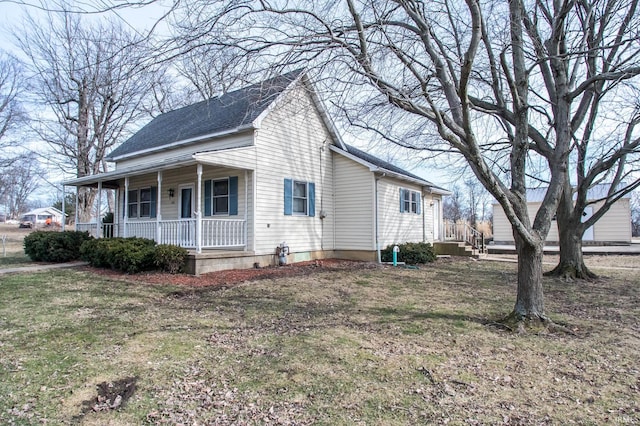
[[125, 254], [51, 246], [169, 258], [410, 253], [96, 252]]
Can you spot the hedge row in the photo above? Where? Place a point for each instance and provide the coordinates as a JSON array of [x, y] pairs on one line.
[[410, 253], [49, 246], [125, 254]]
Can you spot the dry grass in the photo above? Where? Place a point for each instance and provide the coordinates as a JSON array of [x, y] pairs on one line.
[[12, 251], [378, 346]]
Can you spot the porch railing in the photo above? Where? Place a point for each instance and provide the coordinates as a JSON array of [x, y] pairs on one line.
[[216, 233], [462, 231]]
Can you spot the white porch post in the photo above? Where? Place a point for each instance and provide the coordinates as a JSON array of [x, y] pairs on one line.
[[126, 206], [198, 212], [116, 215], [63, 209], [75, 217], [246, 206], [159, 209], [99, 212]]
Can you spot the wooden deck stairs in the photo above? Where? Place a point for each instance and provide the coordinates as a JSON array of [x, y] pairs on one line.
[[461, 239]]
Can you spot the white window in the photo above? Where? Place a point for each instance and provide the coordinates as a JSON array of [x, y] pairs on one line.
[[409, 201], [139, 203], [221, 196], [133, 203], [300, 197]]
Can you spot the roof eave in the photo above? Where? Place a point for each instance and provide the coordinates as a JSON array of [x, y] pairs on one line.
[[183, 142]]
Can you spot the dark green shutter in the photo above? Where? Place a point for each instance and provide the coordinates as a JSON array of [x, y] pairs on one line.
[[288, 197], [312, 198], [419, 203], [154, 202], [401, 200], [207, 198], [233, 195]]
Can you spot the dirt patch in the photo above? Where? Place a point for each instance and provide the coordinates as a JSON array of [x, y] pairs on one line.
[[233, 277], [111, 395]]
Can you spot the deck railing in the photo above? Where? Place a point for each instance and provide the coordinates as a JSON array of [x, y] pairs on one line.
[[463, 232], [216, 233]]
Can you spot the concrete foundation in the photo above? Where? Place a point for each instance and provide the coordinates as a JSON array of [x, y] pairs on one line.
[[212, 261]]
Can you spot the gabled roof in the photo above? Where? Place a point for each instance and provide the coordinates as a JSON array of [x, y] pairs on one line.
[[229, 113], [376, 164], [596, 192], [44, 210]]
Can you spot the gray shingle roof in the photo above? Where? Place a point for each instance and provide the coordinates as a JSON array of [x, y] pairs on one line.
[[232, 111], [386, 165]]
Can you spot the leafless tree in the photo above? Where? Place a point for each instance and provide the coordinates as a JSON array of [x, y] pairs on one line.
[[92, 82], [18, 182], [12, 114], [503, 84], [453, 205]]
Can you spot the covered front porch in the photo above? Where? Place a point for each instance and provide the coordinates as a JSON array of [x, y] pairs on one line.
[[200, 202]]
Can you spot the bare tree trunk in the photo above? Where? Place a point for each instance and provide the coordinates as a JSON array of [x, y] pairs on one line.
[[530, 296], [570, 231]]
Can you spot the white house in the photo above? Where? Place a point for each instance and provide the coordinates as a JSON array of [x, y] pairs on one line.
[[39, 216], [613, 228], [234, 177]]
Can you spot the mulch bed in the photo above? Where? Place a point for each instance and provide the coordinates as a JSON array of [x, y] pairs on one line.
[[230, 278]]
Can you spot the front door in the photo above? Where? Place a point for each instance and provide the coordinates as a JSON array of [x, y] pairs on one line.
[[436, 220], [187, 226], [186, 202]]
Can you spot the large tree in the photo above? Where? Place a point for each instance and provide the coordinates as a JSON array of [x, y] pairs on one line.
[[18, 181], [498, 81], [12, 113], [92, 80]]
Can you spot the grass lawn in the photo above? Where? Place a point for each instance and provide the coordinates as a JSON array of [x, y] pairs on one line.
[[370, 346], [11, 246]]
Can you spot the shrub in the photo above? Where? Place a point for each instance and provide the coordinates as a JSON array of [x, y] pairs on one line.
[[410, 253], [169, 258], [125, 254], [51, 246], [96, 252]]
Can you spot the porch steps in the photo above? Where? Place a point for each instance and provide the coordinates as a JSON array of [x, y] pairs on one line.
[[457, 248]]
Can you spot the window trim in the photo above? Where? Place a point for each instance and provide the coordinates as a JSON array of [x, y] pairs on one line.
[[138, 203], [310, 196], [410, 201]]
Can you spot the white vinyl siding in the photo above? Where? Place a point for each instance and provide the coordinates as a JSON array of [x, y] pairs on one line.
[[614, 226], [354, 205], [292, 142], [394, 226]]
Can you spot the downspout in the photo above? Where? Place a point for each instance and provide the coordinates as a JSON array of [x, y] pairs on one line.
[[377, 225]]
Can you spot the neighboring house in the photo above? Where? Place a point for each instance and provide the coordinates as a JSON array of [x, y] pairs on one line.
[[234, 177], [41, 217], [614, 226]]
